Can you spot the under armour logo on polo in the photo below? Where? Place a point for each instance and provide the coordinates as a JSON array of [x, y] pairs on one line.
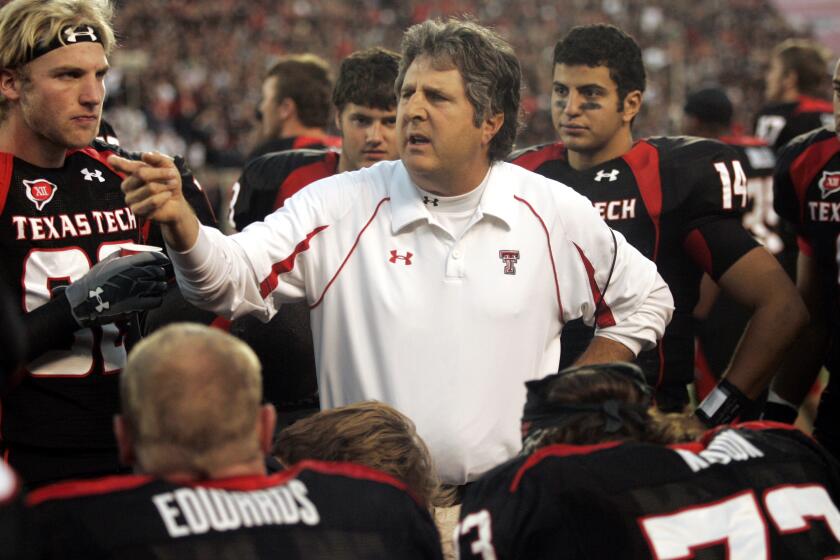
[[510, 258], [72, 34], [611, 176], [100, 305], [432, 201], [397, 257], [91, 175]]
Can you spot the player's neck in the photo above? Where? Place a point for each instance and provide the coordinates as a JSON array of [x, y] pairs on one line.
[[253, 468], [618, 145], [24, 143]]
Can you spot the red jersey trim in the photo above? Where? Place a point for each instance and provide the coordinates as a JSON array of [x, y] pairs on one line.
[[7, 162], [550, 253], [808, 104], [558, 450], [286, 265], [643, 160], [531, 160], [307, 141], [604, 316], [805, 167], [304, 175], [697, 248], [805, 246], [101, 157], [221, 323], [353, 248], [76, 488]]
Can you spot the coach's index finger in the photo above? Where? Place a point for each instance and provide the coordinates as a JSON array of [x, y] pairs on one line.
[[123, 165]]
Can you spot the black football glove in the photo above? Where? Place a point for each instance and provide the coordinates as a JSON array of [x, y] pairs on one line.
[[116, 287]]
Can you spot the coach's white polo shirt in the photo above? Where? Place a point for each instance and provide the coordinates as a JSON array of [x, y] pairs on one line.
[[446, 331]]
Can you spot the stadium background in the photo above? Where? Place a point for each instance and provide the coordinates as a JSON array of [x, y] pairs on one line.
[[186, 78]]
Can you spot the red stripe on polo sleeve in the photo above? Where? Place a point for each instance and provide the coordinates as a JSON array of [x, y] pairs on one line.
[[286, 265]]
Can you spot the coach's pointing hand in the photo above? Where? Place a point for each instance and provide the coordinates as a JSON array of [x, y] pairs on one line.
[[152, 189]]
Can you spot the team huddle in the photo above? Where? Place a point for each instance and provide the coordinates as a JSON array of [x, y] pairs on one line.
[[591, 348]]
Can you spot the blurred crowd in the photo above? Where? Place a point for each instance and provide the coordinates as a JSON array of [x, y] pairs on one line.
[[187, 76]]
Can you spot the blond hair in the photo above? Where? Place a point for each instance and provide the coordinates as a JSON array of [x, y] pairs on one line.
[[369, 433], [26, 25], [191, 398]]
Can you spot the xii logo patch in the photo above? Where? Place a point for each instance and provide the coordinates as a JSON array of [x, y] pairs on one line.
[[829, 183], [40, 191], [510, 258]]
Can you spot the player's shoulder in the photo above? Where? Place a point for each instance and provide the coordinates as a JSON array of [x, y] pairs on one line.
[[286, 161], [817, 139], [681, 150], [783, 109], [808, 104], [755, 152], [534, 156]]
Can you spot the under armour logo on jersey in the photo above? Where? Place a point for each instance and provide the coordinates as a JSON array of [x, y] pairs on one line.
[[432, 201], [611, 176], [100, 303], [510, 258], [72, 34], [829, 183], [397, 257], [40, 191], [91, 175]]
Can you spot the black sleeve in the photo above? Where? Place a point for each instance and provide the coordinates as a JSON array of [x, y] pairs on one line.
[[254, 193], [785, 201], [713, 234]]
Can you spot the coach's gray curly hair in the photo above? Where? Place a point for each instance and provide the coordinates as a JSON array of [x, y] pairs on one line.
[[487, 64]]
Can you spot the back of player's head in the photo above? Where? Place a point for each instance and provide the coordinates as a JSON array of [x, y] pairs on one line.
[[368, 433], [709, 105], [604, 45], [809, 61], [487, 64], [305, 79], [191, 398], [595, 403], [30, 27], [367, 78]]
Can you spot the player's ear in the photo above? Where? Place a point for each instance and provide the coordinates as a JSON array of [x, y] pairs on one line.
[[125, 440], [338, 119], [286, 108], [632, 105], [491, 126], [10, 84], [265, 427]]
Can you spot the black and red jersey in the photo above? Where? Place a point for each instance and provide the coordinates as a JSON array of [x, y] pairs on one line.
[[752, 491], [294, 143], [678, 200], [807, 194], [315, 510], [779, 123], [721, 330], [55, 224], [284, 345], [268, 181]]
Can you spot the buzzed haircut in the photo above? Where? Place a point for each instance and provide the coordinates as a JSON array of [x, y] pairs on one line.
[[191, 396], [305, 79], [604, 45], [367, 78]]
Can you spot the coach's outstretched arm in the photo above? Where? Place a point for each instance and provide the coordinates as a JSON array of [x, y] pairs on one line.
[[152, 190]]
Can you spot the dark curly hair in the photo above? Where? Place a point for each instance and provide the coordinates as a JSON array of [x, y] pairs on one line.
[[604, 45], [367, 78], [487, 64]]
